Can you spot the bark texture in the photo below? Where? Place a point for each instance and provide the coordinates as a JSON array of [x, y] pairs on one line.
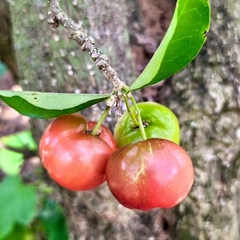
[[7, 53], [205, 96]]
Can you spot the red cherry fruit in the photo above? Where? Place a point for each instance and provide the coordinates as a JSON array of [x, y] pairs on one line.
[[73, 158], [154, 173]]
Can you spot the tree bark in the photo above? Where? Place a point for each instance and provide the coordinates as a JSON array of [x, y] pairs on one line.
[[205, 96], [7, 53]]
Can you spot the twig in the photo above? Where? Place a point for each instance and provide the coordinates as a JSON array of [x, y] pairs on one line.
[[58, 17]]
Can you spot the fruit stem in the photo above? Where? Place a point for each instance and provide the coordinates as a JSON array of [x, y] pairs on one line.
[[139, 119], [131, 113], [101, 120], [141, 127]]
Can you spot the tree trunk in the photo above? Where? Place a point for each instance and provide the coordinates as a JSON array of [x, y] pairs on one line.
[[205, 96], [7, 53]]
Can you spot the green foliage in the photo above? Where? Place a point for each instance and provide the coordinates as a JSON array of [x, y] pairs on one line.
[[21, 232], [20, 140], [49, 105], [11, 160], [21, 215], [182, 42], [23, 218], [53, 221], [17, 204]]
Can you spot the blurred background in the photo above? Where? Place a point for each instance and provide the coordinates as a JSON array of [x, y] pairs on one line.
[[205, 97]]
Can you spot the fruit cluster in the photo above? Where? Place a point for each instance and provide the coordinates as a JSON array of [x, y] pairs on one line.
[[141, 174]]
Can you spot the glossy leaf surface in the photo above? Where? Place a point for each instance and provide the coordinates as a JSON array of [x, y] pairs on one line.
[[182, 42], [49, 105]]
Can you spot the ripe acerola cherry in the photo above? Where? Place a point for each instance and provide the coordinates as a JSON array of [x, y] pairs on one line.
[[74, 158], [154, 173], [159, 122]]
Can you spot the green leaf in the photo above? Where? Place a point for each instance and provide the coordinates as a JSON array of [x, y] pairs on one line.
[[20, 140], [182, 42], [17, 204], [53, 221], [20, 232], [10, 161], [49, 105]]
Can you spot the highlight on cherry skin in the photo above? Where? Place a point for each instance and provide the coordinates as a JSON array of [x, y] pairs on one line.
[[72, 156], [154, 173]]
